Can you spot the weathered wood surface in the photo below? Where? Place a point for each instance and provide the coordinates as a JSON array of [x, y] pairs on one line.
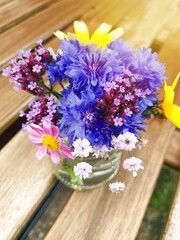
[[17, 159], [17, 11], [172, 230], [39, 26], [24, 183], [117, 13], [100, 215], [32, 29], [172, 157]]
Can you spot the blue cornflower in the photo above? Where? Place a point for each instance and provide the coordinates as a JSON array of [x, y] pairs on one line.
[[80, 118], [150, 71], [69, 51]]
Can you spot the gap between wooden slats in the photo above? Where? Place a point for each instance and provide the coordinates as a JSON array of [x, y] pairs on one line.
[[98, 214], [17, 11]]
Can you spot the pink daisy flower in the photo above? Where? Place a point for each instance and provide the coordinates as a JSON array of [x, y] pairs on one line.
[[47, 137]]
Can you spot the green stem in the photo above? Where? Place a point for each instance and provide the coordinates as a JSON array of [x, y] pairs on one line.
[[50, 90]]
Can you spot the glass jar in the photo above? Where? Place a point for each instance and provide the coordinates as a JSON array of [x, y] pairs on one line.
[[103, 170]]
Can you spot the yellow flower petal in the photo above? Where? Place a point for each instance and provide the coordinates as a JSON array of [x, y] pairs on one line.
[[100, 32], [116, 33], [173, 115], [81, 31], [169, 90], [101, 37], [110, 37], [60, 35], [171, 111]]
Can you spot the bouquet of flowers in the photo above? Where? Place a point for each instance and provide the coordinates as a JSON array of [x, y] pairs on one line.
[[92, 99]]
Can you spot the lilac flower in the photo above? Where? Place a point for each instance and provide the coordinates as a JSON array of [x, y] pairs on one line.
[[128, 112], [27, 70], [37, 68], [116, 101], [41, 51], [40, 109], [32, 85], [118, 121], [6, 71]]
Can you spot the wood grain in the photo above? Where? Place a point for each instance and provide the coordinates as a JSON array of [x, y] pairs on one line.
[[115, 12], [4, 2], [41, 25], [99, 214], [172, 230], [17, 11], [13, 102], [144, 22], [172, 157], [24, 182], [171, 26]]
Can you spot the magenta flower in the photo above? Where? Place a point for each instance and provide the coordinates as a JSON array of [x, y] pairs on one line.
[[47, 137]]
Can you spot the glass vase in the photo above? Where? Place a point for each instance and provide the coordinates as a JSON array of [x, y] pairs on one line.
[[103, 170]]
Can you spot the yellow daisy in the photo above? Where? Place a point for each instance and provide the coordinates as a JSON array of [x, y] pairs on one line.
[[171, 110], [101, 37]]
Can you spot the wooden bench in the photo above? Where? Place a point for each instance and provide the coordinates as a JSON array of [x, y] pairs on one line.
[[26, 182]]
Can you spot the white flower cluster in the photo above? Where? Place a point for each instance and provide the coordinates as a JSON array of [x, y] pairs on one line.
[[126, 141], [116, 187], [82, 170], [100, 152], [82, 148], [142, 143], [133, 165]]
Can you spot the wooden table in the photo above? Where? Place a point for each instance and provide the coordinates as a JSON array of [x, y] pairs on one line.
[[26, 183]]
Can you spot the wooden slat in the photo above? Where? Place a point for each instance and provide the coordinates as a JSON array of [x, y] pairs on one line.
[[13, 102], [171, 25], [18, 10], [10, 103], [172, 156], [11, 178], [41, 25], [4, 2], [114, 12], [172, 230], [30, 172], [146, 20], [99, 214], [24, 182]]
